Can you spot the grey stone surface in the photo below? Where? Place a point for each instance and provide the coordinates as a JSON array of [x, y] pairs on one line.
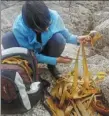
[[98, 63], [10, 3], [101, 24], [93, 5], [3, 5], [80, 14], [104, 86], [8, 16], [99, 17], [6, 4], [103, 28], [106, 51]]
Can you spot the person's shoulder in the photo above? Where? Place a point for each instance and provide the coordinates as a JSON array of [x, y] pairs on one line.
[[18, 21], [54, 15], [53, 12]]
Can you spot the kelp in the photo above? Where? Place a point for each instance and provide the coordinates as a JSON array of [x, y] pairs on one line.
[[75, 94], [95, 36], [86, 74], [55, 110]]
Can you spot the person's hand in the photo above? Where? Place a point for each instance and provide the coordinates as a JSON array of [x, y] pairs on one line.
[[86, 39], [62, 59]]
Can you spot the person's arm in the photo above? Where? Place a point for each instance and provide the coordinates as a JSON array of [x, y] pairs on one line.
[[46, 59], [70, 38]]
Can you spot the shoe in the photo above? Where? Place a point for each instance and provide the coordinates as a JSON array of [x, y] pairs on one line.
[[44, 82], [53, 70]]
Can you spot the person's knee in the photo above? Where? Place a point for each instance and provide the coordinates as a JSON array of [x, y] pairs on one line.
[[58, 39], [8, 40], [56, 45], [4, 39]]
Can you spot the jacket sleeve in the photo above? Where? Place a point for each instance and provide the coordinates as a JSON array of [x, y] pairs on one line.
[[46, 59]]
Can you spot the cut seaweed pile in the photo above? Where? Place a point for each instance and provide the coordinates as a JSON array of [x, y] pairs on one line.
[[74, 96]]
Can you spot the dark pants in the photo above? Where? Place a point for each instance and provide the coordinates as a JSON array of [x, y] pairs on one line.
[[54, 47]]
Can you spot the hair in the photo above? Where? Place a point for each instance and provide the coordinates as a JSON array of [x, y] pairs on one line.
[[36, 15]]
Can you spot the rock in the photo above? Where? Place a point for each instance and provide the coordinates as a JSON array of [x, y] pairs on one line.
[[51, 3], [70, 51], [65, 4], [101, 24], [106, 9], [104, 86], [93, 6], [98, 63], [3, 5], [106, 51], [8, 16], [103, 28], [81, 19], [10, 3], [99, 17], [85, 14]]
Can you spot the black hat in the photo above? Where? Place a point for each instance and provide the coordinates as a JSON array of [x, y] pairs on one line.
[[36, 15]]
